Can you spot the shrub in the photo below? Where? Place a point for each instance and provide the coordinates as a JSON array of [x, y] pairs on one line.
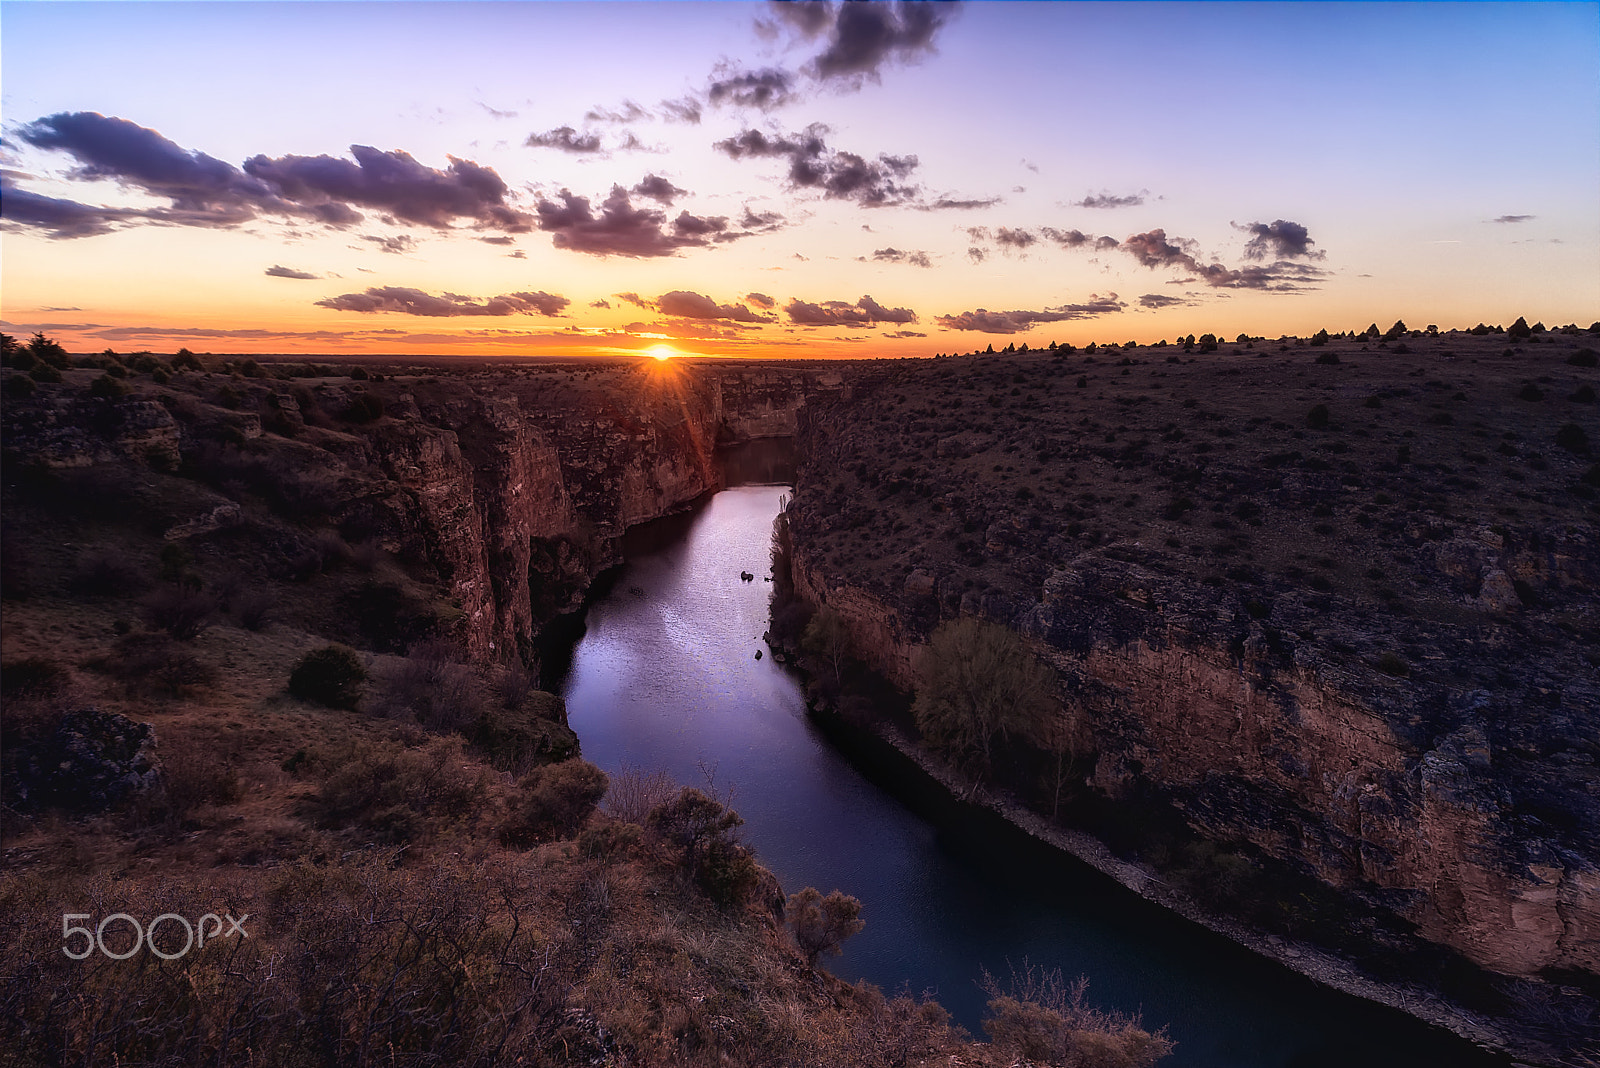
[[1328, 357], [1583, 358], [432, 687], [254, 608], [32, 677], [20, 386], [634, 793], [821, 924], [1530, 392], [386, 616], [44, 373], [329, 676], [980, 682], [1317, 417], [181, 611], [102, 573], [107, 387], [1572, 438], [1041, 1017], [153, 662], [553, 802], [397, 794], [609, 839], [705, 832]]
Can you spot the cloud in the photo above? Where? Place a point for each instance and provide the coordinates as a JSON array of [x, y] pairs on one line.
[[277, 271], [976, 254], [629, 112], [634, 298], [1153, 249], [496, 112], [497, 240], [1160, 300], [207, 192], [658, 189], [1513, 218], [1012, 322], [1009, 238], [397, 245], [765, 222], [20, 209], [409, 301], [766, 89], [600, 303], [905, 333], [864, 38], [894, 255], [838, 175], [1106, 200], [946, 203], [565, 139], [1280, 239], [684, 109], [395, 184], [685, 305], [760, 300], [621, 229], [864, 312]]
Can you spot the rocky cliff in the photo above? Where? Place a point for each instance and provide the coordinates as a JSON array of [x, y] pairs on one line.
[[509, 489], [1399, 701]]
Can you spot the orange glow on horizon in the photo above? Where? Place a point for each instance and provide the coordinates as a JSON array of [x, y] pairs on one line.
[[662, 352]]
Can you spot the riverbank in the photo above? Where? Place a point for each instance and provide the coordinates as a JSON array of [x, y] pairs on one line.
[[865, 741]]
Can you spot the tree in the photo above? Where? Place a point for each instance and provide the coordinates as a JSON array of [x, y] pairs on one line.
[[979, 683], [820, 924], [827, 637], [42, 348]]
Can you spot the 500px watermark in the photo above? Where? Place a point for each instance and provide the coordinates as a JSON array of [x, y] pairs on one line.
[[146, 936]]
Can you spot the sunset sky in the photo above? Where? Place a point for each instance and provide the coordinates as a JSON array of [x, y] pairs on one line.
[[795, 179]]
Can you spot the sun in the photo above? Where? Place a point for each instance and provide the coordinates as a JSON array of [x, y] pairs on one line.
[[661, 352]]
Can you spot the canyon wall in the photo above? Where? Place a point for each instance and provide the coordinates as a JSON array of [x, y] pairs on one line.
[[1459, 807], [508, 489]]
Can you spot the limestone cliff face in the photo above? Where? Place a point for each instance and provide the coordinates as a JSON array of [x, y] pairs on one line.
[[1457, 791], [509, 489], [1304, 760]]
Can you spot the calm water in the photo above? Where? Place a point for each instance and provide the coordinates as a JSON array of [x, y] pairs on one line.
[[666, 677]]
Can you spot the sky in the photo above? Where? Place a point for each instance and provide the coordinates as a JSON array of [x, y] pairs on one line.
[[799, 179]]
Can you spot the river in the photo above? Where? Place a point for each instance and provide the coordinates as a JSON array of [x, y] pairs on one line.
[[665, 675]]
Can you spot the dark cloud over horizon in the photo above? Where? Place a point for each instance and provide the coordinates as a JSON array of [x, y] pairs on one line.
[[621, 229], [279, 271], [836, 174], [408, 301], [207, 192], [1513, 218], [1013, 322], [682, 304], [864, 312]]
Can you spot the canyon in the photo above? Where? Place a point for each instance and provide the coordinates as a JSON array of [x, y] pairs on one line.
[[1314, 641]]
